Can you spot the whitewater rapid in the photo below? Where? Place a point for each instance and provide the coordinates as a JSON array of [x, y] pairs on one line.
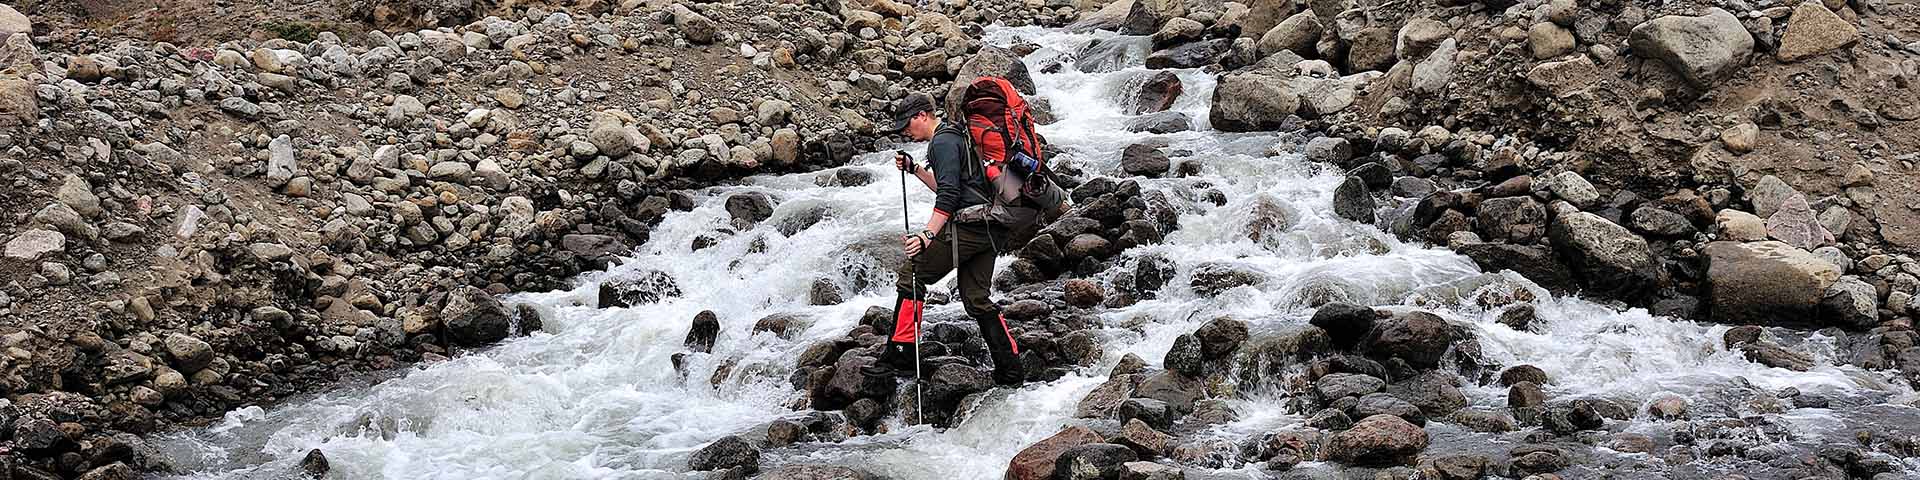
[[595, 395]]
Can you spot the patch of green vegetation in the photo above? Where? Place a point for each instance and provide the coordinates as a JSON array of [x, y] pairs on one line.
[[294, 30]]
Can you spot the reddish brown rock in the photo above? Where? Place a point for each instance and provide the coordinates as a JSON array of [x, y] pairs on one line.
[[1036, 461]]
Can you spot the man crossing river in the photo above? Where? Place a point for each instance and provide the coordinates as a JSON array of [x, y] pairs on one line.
[[948, 243]]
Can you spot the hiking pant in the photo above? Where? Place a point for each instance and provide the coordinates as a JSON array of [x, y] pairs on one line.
[[976, 256]]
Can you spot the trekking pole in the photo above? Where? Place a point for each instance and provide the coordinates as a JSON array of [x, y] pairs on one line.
[[906, 221]]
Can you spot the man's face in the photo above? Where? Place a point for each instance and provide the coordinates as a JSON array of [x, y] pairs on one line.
[[920, 129]]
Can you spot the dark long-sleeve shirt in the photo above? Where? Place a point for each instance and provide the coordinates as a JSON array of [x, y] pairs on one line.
[[948, 157]]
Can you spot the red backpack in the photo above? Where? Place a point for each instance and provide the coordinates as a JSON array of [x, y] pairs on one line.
[[1000, 126]]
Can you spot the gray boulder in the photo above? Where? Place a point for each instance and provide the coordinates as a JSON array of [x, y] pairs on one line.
[[1518, 220], [1144, 160], [1297, 33], [727, 452], [1251, 102], [1606, 257], [1850, 303], [1703, 49], [474, 318], [1765, 282], [1352, 202]]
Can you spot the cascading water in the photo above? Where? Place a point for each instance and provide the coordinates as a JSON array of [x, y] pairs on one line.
[[595, 395]]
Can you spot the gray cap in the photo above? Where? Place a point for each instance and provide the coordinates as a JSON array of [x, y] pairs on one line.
[[907, 108]]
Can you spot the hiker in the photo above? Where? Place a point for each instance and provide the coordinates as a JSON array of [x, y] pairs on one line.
[[969, 225]]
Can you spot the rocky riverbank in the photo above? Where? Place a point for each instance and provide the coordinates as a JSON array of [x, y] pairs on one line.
[[222, 222], [226, 221]]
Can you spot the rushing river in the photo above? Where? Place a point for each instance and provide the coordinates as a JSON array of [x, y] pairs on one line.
[[595, 395]]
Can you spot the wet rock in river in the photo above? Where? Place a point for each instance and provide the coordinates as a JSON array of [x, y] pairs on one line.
[[1210, 279], [1379, 440], [473, 318], [1185, 356], [1346, 324], [1094, 461], [1572, 416], [1419, 338], [1523, 373], [818, 472], [1341, 385], [1038, 461], [1177, 390], [1249, 102], [704, 332], [1221, 337], [315, 464], [748, 208], [1386, 404], [727, 452], [1160, 122], [1608, 258], [635, 289]]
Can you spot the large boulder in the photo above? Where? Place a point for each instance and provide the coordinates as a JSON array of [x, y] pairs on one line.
[[1297, 34], [1419, 37], [1351, 200], [1109, 17], [12, 22], [1519, 220], [1371, 49], [1346, 324], [474, 318], [1251, 102], [1703, 49], [1321, 97], [1606, 257], [698, 29], [1037, 461], [1419, 338], [1765, 282], [1435, 72], [1379, 440], [1262, 15], [1850, 303], [1815, 30]]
